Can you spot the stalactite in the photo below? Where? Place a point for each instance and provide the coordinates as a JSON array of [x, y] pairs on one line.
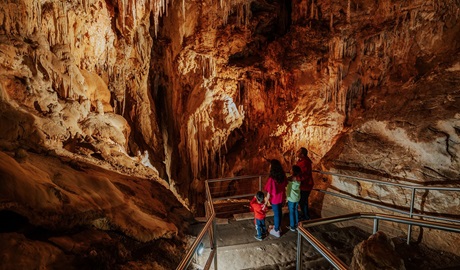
[[349, 12], [123, 14], [183, 9], [239, 16], [133, 11], [54, 41], [158, 8], [31, 22], [70, 84], [64, 25], [243, 13], [39, 14], [312, 9], [124, 92], [331, 22]]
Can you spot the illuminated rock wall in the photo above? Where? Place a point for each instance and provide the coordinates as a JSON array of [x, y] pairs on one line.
[[181, 91]]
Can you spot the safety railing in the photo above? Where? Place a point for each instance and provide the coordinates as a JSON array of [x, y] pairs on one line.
[[210, 227], [303, 233], [244, 191], [211, 215], [413, 189]]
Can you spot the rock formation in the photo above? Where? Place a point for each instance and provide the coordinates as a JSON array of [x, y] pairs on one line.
[[377, 252], [173, 92]]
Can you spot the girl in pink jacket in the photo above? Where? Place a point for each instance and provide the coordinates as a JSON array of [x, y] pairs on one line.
[[276, 193]]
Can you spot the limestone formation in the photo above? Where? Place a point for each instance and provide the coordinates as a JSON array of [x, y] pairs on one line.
[[174, 92], [377, 252]]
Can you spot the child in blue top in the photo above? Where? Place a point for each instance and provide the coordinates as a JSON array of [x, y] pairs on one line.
[[293, 197]]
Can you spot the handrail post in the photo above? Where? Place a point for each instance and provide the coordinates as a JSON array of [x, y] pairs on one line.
[[214, 242], [376, 225], [412, 202], [299, 252]]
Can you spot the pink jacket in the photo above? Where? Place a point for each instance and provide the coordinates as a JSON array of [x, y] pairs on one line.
[[277, 191]]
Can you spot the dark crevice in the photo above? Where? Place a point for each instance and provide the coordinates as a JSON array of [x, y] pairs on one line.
[[285, 17], [13, 222]]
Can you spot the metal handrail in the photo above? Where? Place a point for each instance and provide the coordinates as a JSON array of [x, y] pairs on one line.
[[333, 259], [237, 178], [211, 223], [209, 226], [408, 186], [416, 186], [385, 207]]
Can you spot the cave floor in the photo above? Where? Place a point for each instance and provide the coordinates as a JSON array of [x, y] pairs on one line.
[[238, 249]]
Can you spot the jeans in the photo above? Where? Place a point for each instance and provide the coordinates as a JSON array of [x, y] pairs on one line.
[[277, 215], [260, 227], [293, 214], [304, 204]]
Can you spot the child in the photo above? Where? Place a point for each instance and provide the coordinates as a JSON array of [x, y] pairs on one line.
[[293, 197], [257, 206]]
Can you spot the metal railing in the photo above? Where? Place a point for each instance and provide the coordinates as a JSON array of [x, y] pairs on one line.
[[210, 227], [333, 259], [410, 213], [236, 178], [211, 222], [211, 215]]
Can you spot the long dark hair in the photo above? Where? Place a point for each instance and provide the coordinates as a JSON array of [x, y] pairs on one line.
[[276, 171]]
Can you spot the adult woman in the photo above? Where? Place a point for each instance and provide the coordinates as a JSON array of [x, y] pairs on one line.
[[276, 193]]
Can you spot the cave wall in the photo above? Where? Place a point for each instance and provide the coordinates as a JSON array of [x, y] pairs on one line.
[[250, 83], [371, 89], [183, 91], [81, 153], [76, 75]]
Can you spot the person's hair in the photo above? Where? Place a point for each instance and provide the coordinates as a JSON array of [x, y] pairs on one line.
[[260, 196], [296, 170], [304, 151], [276, 171]]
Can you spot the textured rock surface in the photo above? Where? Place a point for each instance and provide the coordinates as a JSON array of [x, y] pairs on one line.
[[66, 203], [377, 252], [176, 92]]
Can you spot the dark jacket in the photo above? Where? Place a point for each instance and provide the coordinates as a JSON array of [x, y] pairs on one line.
[[305, 165]]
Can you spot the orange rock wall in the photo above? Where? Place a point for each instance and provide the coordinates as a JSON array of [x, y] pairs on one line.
[[185, 91]]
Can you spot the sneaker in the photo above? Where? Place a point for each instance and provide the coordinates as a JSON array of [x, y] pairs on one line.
[[258, 238], [292, 229], [275, 233]]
